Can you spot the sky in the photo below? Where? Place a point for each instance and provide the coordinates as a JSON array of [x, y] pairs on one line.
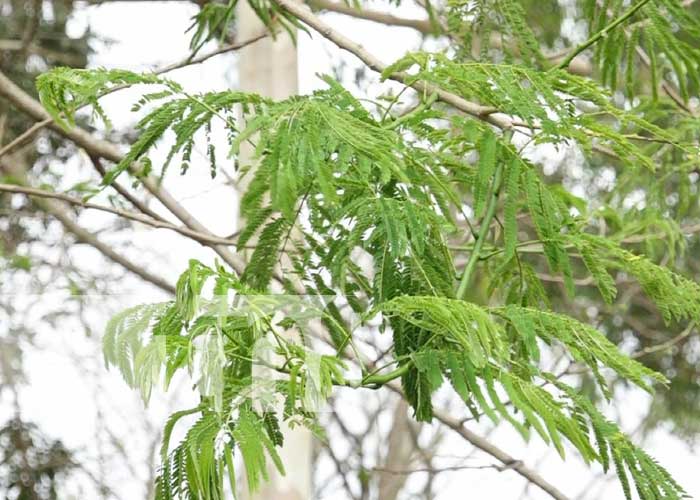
[[145, 36]]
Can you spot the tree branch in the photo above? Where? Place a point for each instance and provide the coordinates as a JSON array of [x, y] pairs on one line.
[[500, 455], [421, 25], [55, 209], [607, 29], [483, 232], [32, 24], [85, 236], [450, 468], [485, 113], [11, 45], [578, 66], [159, 224], [138, 204], [486, 446], [103, 149]]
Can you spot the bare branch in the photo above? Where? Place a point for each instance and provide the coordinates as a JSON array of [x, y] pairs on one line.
[[23, 138], [578, 66], [339, 467], [488, 447], [422, 25], [500, 455], [32, 25], [221, 50], [54, 208], [160, 224], [138, 204], [451, 468], [665, 345], [10, 45]]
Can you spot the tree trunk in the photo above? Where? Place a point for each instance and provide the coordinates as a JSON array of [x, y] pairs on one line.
[[269, 67]]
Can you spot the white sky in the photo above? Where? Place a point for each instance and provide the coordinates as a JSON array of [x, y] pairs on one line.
[[61, 399]]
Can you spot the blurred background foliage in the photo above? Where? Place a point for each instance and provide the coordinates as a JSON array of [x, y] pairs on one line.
[[34, 37]]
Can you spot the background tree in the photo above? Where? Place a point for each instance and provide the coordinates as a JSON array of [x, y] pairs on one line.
[[47, 285], [33, 466]]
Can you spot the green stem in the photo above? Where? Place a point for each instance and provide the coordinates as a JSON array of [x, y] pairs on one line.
[[379, 379], [483, 232], [372, 381], [624, 17], [418, 109]]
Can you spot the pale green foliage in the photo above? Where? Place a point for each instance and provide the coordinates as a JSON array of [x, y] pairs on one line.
[[586, 344], [308, 140], [68, 89], [399, 188], [216, 340], [543, 99], [124, 346], [200, 465]]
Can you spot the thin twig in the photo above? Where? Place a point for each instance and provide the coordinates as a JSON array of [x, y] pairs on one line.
[[423, 26], [138, 204], [665, 345], [56, 210], [159, 224], [493, 450], [452, 468]]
